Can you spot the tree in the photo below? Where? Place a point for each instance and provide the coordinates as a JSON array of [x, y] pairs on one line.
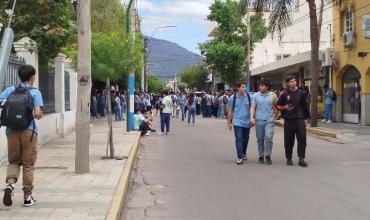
[[83, 88], [49, 23], [155, 84], [102, 19], [226, 53], [280, 18], [195, 76]]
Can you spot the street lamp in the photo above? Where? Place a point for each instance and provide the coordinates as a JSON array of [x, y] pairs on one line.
[[146, 73]]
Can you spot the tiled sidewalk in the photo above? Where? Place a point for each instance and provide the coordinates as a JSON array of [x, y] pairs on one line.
[[61, 193]]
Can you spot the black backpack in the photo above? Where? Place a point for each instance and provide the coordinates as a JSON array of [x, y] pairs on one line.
[[17, 112], [334, 96]]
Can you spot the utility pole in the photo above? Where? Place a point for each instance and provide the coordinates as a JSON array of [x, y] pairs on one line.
[[248, 60], [5, 48], [83, 87], [131, 79]]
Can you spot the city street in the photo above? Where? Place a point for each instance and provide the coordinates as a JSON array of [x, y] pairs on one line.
[[191, 174]]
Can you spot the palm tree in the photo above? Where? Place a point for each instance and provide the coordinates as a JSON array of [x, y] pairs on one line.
[[280, 18]]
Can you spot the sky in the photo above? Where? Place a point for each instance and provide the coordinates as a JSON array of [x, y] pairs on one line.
[[188, 15]]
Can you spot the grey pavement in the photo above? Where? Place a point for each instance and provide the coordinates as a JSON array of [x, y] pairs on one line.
[[61, 193], [349, 132], [191, 174]]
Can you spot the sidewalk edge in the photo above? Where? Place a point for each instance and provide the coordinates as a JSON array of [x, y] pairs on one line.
[[119, 196], [317, 131]]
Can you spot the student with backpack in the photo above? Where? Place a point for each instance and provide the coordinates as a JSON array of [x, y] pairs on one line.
[[329, 98], [21, 106], [239, 119]]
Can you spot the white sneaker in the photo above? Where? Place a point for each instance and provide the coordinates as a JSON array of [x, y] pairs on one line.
[[323, 121], [239, 161], [147, 134], [29, 201], [329, 121]]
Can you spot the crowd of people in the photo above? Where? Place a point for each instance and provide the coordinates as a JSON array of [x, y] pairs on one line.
[[245, 111]]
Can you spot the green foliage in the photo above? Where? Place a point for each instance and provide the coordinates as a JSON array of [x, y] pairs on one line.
[[49, 23], [107, 16], [226, 53], [155, 85], [195, 76], [112, 52]]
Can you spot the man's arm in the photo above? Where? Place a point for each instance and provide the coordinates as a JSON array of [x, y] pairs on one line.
[[38, 102], [252, 113]]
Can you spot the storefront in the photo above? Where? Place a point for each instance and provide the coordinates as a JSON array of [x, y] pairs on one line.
[[351, 95]]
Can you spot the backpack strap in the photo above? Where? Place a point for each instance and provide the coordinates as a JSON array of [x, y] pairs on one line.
[[234, 100]]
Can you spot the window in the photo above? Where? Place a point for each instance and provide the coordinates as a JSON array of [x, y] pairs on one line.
[[348, 21]]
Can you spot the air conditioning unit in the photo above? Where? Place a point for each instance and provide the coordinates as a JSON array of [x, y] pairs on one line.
[[349, 39], [327, 57], [366, 26]]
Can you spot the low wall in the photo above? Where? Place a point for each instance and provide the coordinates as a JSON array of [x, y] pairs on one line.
[[50, 127]]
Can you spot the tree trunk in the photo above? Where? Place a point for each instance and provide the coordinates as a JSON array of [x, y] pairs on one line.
[[83, 88], [319, 23], [110, 133], [315, 64]]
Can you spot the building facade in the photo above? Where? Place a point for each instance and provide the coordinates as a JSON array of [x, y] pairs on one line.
[[351, 79]]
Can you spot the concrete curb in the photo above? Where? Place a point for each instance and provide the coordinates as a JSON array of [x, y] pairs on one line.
[[119, 196], [317, 131]]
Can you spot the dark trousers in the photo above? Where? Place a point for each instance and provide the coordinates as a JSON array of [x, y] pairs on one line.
[[165, 122], [241, 140], [295, 129], [144, 128]]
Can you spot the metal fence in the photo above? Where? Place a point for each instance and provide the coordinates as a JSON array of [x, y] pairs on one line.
[[11, 74], [67, 91], [47, 87]]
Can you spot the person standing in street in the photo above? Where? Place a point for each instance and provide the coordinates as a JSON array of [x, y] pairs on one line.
[[182, 101], [329, 99], [166, 113], [191, 103], [294, 110], [21, 105], [262, 116], [239, 118]]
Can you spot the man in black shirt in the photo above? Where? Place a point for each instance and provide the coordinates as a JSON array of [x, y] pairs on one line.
[[294, 110]]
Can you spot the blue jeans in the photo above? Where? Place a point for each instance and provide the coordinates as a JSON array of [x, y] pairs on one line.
[[328, 111], [183, 116], [208, 111], [241, 140], [117, 113], [165, 122], [191, 114], [265, 135]]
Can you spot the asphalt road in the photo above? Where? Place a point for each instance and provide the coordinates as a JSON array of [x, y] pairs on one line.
[[191, 174]]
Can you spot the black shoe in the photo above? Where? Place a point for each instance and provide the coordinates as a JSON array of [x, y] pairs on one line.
[[153, 131], [261, 160], [302, 163], [268, 160], [8, 193], [289, 162]]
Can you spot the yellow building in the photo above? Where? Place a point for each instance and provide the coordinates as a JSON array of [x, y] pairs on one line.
[[351, 75]]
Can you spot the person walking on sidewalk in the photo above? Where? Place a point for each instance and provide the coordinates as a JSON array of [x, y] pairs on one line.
[[295, 110], [166, 112], [191, 103], [21, 105], [239, 118], [262, 116], [329, 99]]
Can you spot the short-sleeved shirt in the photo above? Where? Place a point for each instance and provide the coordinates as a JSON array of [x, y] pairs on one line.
[[242, 110], [167, 102], [138, 120], [37, 102], [182, 100], [329, 94], [264, 105]]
